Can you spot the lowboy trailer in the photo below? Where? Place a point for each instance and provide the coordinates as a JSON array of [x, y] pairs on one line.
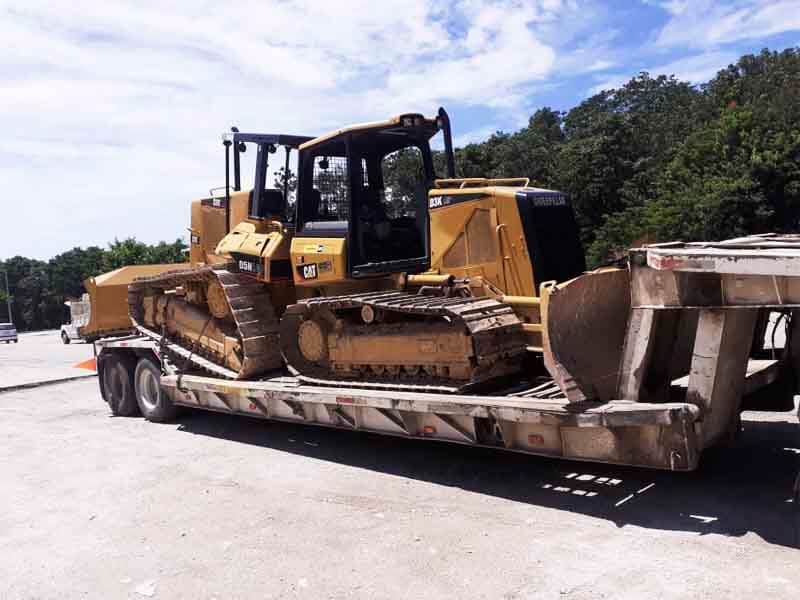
[[693, 355], [533, 419]]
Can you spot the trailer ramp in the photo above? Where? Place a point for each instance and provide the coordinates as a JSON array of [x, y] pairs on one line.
[[699, 312]]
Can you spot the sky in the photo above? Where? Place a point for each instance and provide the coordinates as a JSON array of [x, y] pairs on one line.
[[112, 112]]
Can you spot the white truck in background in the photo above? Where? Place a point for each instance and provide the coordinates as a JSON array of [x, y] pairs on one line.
[[79, 311]]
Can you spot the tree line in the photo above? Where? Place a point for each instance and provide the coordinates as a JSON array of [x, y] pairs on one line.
[[39, 288]]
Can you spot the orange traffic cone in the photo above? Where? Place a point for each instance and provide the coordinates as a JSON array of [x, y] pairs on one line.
[[89, 365]]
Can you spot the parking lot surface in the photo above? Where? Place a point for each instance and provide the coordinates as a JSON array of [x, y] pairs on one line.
[[216, 506], [41, 357]]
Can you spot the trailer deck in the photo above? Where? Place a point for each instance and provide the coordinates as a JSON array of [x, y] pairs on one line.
[[693, 351], [622, 432], [534, 418]]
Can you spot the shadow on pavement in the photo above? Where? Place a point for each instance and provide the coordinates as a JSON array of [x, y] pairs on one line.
[[740, 489]]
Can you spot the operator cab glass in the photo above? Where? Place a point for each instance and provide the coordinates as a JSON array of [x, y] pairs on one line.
[[271, 194], [325, 190], [370, 187]]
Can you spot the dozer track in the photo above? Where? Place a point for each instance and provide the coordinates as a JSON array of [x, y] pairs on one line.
[[239, 345], [401, 340]]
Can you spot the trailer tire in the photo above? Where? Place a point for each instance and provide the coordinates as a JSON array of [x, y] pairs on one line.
[[796, 507], [118, 383], [154, 404], [65, 337]]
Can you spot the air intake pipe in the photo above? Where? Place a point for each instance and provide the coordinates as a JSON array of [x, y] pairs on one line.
[[444, 119]]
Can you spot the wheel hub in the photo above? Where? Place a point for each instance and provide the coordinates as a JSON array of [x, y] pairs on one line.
[[311, 341], [148, 386], [217, 302]]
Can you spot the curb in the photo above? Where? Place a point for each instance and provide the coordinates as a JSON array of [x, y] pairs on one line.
[[36, 384], [39, 333]]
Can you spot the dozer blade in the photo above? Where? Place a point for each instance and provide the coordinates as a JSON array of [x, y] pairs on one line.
[[584, 331], [108, 294]]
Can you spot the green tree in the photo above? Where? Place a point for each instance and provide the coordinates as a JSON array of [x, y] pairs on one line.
[[289, 180], [737, 172], [68, 270], [166, 253], [284, 177], [616, 144], [4, 297], [39, 289], [403, 180], [122, 253]]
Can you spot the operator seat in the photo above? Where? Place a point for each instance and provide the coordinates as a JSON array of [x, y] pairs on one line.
[[314, 200]]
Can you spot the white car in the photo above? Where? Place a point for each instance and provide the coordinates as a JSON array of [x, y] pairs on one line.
[[8, 333], [69, 332]]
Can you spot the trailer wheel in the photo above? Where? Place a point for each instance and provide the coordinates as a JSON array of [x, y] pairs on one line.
[[118, 382], [153, 402], [796, 507], [65, 337]]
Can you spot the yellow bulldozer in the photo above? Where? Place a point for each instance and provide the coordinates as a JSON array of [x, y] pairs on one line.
[[381, 273], [383, 281]]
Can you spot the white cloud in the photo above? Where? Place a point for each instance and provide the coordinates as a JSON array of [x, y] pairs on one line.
[[600, 65], [111, 111], [698, 68], [474, 136], [706, 23], [593, 38], [695, 69], [710, 27], [611, 83]]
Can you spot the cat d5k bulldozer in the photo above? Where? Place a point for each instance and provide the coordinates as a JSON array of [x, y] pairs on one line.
[[384, 275]]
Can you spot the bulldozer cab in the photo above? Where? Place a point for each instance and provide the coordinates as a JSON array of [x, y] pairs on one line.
[[363, 200], [264, 202], [215, 217]]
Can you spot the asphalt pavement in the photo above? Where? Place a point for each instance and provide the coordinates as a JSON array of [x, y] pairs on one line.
[[217, 506], [41, 357]]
